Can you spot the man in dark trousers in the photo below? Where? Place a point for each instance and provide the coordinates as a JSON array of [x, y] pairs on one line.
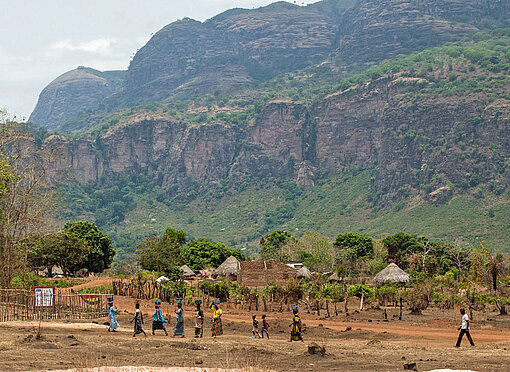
[[464, 329]]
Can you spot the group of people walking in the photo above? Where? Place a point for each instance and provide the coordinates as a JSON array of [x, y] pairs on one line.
[[158, 321]]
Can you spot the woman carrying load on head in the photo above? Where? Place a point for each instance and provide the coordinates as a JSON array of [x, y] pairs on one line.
[[111, 315], [158, 322], [138, 319], [199, 320], [179, 314], [295, 332], [217, 327]]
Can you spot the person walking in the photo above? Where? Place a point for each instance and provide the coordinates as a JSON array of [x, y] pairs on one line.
[[464, 329], [265, 327], [217, 326], [138, 319], [158, 322], [199, 320], [179, 315], [296, 330], [255, 329], [111, 315]]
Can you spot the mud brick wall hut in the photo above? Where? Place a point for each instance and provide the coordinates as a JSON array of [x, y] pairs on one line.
[[259, 273]]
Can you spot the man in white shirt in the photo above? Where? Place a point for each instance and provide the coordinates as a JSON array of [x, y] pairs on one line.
[[464, 329]]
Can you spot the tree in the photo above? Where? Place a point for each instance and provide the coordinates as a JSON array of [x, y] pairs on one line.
[[26, 200], [358, 245], [459, 257], [200, 253], [101, 252], [163, 253], [477, 268], [62, 249], [495, 265], [361, 291], [175, 236], [400, 244], [270, 244], [319, 253]]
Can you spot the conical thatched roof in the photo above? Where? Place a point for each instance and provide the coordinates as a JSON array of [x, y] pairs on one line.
[[304, 273], [228, 267], [186, 271], [393, 273]]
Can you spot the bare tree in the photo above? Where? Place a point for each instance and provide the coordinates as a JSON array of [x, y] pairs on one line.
[[428, 247], [27, 199]]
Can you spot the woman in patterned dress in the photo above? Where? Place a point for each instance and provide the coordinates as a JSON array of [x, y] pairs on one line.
[[217, 326], [138, 319], [295, 332]]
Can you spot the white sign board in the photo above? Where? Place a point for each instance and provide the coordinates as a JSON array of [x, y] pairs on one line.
[[44, 296]]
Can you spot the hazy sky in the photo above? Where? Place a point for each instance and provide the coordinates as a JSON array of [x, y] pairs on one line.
[[42, 39]]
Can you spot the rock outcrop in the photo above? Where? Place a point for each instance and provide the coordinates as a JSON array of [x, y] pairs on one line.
[[229, 50], [74, 92], [409, 136], [375, 30]]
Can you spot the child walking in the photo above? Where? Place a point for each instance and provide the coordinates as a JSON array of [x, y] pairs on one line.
[[255, 329], [265, 327]]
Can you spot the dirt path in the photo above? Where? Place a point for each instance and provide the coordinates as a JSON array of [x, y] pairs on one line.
[[440, 335], [94, 283], [434, 335], [432, 331]]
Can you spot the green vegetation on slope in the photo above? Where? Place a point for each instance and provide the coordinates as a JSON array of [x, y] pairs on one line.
[[337, 205]]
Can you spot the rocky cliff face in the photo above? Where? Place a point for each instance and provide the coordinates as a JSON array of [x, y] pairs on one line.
[[370, 126], [231, 49], [74, 92], [374, 30], [410, 136]]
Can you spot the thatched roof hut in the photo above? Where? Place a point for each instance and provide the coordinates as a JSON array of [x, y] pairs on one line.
[[228, 268], [393, 273], [303, 273], [186, 271]]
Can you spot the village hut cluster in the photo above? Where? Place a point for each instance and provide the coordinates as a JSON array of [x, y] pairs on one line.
[[260, 273]]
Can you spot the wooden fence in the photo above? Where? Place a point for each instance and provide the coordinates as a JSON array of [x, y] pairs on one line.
[[143, 290], [18, 304], [253, 301]]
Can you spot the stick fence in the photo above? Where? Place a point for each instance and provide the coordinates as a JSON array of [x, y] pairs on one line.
[[16, 304]]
